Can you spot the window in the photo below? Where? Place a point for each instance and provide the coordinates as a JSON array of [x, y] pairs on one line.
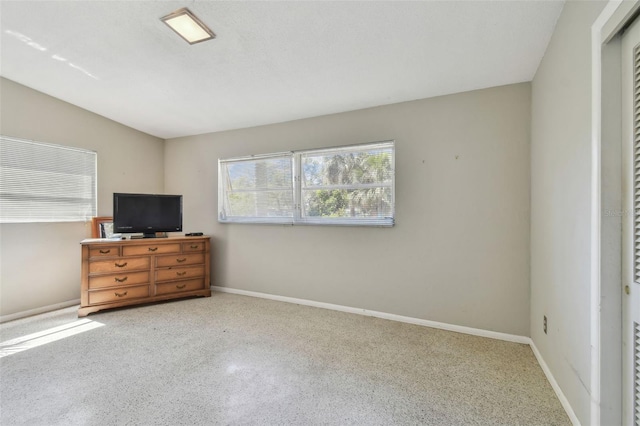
[[256, 189], [46, 183], [352, 185]]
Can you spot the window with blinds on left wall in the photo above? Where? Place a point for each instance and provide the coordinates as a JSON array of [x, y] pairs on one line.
[[42, 182]]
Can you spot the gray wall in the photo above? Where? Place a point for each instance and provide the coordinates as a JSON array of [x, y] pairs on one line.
[[459, 252], [40, 263], [561, 202]]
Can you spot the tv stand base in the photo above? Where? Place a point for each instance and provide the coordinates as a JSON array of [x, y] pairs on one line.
[[149, 235]]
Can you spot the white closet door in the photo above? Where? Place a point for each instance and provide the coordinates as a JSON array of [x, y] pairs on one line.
[[631, 224]]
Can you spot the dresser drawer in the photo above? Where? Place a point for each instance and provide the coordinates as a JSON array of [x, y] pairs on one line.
[[179, 260], [179, 273], [120, 264], [116, 280], [180, 286], [118, 294], [150, 249], [104, 251], [197, 246]]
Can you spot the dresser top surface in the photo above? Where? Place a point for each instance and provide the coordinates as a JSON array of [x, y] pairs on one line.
[[141, 241]]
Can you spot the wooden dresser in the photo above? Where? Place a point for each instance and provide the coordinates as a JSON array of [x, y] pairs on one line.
[[130, 272]]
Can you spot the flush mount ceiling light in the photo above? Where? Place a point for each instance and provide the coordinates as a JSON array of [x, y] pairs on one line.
[[188, 26]]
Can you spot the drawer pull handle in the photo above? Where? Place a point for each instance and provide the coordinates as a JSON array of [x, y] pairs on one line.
[[121, 294], [105, 251], [120, 280], [153, 248], [181, 260], [181, 274], [121, 265], [194, 246], [181, 286]]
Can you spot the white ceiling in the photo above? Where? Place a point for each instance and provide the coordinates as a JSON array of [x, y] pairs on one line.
[[271, 61]]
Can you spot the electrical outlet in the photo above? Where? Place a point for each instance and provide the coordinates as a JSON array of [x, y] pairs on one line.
[[544, 324]]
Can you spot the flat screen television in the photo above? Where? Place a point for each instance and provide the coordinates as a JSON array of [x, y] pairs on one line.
[[147, 213]]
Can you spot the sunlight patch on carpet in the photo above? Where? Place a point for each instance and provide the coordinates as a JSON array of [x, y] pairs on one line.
[[40, 338]]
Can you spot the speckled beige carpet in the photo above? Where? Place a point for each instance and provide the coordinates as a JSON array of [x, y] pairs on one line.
[[233, 359]]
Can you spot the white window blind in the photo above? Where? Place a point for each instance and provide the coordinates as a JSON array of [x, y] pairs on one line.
[[351, 185], [42, 182], [256, 189]]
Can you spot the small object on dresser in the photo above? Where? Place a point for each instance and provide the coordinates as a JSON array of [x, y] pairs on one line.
[[193, 234]]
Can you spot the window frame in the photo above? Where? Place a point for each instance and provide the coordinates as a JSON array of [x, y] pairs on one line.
[[90, 163], [298, 217]]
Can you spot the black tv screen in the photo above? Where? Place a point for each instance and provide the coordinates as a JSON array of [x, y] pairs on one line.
[[147, 213]]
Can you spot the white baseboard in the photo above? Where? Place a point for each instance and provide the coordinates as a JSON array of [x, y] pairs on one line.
[[552, 380], [393, 317], [36, 311]]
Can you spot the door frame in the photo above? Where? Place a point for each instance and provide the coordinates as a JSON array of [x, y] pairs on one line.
[[606, 197]]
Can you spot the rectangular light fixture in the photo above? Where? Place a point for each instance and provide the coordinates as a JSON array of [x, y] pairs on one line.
[[188, 26]]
